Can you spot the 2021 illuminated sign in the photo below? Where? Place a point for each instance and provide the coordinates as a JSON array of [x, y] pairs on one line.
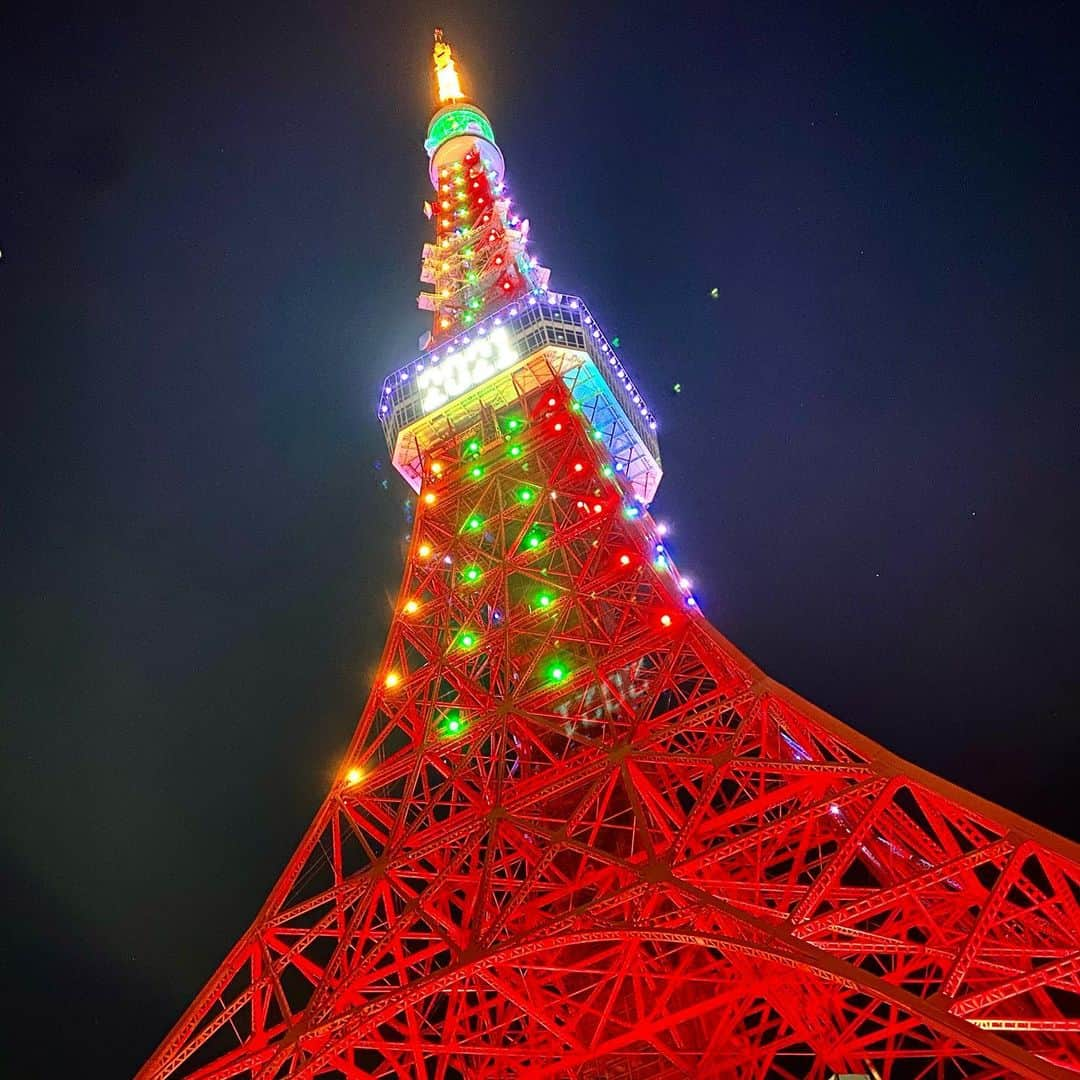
[[461, 371]]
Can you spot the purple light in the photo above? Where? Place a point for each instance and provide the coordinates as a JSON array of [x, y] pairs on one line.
[[532, 299], [652, 424], [573, 305], [513, 310], [588, 320]]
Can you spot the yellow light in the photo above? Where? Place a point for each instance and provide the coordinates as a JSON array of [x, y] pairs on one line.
[[436, 467], [411, 607], [353, 776], [445, 71], [392, 680], [429, 498], [424, 551]]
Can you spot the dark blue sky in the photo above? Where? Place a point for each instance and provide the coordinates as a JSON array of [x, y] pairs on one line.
[[210, 229]]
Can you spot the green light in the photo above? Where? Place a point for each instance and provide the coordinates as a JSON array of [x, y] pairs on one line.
[[544, 599], [476, 472], [576, 406], [557, 672], [596, 434], [524, 495], [467, 318], [474, 523], [515, 451], [475, 303], [513, 424], [534, 540], [467, 253], [472, 574], [472, 446], [471, 277], [467, 639], [452, 723], [607, 470], [458, 121]]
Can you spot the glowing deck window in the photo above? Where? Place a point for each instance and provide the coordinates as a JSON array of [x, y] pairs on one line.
[[468, 368]]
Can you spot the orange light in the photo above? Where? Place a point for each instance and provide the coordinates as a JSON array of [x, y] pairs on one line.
[[391, 680], [411, 607], [353, 776], [429, 498], [424, 551]]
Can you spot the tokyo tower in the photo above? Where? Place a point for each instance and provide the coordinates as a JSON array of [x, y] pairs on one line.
[[577, 833]]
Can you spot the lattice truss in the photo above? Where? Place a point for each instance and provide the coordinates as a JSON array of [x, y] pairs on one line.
[[578, 834], [478, 259]]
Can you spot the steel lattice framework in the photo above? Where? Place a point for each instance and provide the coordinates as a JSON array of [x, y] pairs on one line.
[[577, 833]]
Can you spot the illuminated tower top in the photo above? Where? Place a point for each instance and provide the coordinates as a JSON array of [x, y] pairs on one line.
[[497, 329]]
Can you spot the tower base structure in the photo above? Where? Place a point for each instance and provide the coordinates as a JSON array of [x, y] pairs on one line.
[[578, 833]]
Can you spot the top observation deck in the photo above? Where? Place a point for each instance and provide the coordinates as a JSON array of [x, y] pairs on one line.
[[447, 391]]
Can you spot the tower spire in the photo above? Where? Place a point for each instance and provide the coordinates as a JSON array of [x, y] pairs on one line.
[[446, 76], [478, 261]]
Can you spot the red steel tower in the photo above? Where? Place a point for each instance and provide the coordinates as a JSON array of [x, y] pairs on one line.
[[577, 832]]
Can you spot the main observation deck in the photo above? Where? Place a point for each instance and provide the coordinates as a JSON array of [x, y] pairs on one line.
[[445, 392]]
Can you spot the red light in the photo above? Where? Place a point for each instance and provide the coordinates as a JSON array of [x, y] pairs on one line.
[[551, 401], [558, 427], [624, 560], [665, 620], [578, 467], [506, 285], [597, 508]]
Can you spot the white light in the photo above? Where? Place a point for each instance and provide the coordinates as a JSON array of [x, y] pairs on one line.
[[532, 299], [652, 424], [661, 528], [588, 320], [684, 583], [477, 363], [573, 305], [404, 376], [604, 346]]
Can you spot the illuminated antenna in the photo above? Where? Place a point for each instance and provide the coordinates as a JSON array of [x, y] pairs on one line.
[[445, 70]]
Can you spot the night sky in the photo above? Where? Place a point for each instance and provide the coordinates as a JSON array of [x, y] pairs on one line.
[[210, 230]]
